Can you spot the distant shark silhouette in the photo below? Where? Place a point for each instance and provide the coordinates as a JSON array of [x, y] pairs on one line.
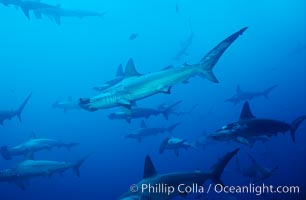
[[32, 145], [29, 169], [56, 13], [145, 131], [141, 112], [247, 95], [66, 105], [175, 144]]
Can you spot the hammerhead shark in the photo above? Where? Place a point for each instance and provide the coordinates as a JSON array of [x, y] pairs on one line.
[[9, 114], [32, 145], [136, 86], [66, 105], [176, 181], [175, 144], [145, 131], [248, 95], [248, 128], [56, 13], [29, 169], [256, 172], [141, 112]]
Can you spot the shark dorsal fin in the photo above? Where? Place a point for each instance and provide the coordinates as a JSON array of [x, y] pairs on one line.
[[143, 124], [149, 169], [246, 112], [119, 71], [130, 69]]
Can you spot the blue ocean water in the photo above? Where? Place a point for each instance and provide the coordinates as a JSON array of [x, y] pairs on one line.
[[56, 62]]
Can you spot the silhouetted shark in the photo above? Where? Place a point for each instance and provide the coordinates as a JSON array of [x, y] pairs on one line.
[[66, 105], [29, 169], [175, 144], [152, 178], [248, 128], [140, 112], [56, 13], [136, 86], [247, 95], [145, 131], [9, 114], [34, 144], [28, 6]]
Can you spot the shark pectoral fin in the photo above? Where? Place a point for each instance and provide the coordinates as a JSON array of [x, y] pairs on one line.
[[20, 184], [125, 102], [166, 90]]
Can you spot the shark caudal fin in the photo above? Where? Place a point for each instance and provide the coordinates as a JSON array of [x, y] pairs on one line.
[[20, 109], [170, 128], [5, 153], [268, 90], [295, 124], [208, 62], [218, 168], [77, 165], [168, 109], [163, 145]]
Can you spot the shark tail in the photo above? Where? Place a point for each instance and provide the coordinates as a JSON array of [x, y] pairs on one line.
[[268, 90], [167, 111], [208, 62], [163, 145], [5, 153], [218, 168], [295, 124], [20, 109], [170, 128], [77, 165]]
